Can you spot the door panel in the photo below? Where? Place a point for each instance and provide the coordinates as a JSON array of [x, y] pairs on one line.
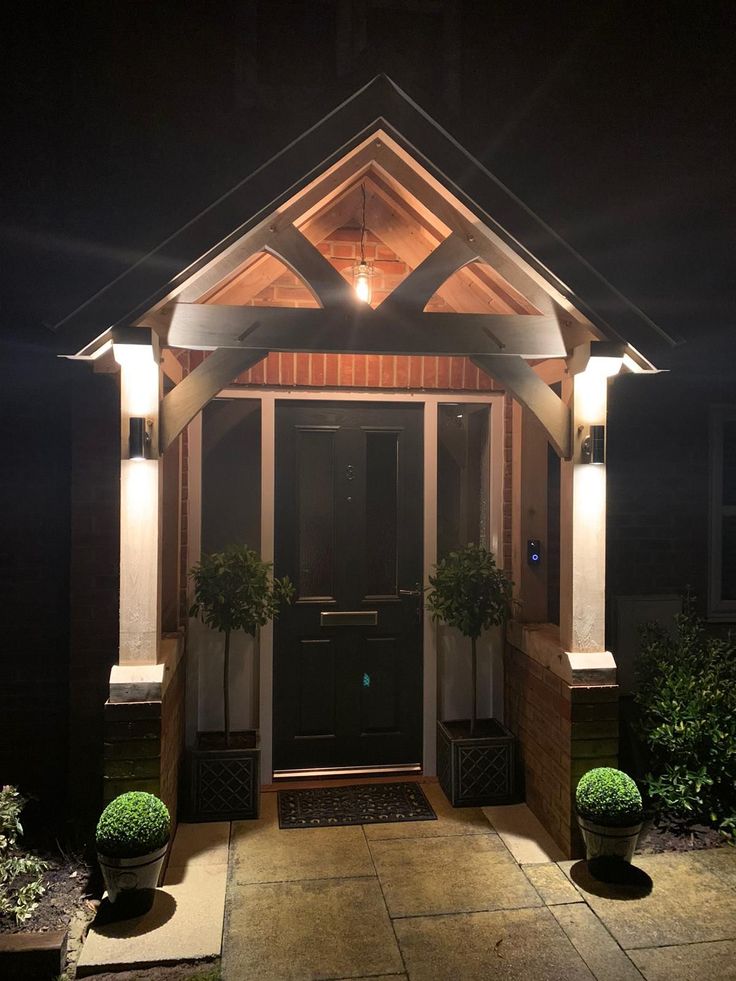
[[348, 690]]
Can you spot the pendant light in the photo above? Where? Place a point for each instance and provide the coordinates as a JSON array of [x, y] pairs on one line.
[[363, 272]]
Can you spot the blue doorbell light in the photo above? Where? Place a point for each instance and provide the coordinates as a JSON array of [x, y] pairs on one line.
[[534, 551]]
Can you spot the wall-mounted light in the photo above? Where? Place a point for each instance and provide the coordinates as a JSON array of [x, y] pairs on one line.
[[363, 272], [134, 345], [139, 438], [593, 448]]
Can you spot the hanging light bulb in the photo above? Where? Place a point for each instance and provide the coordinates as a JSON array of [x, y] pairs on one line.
[[362, 282], [363, 272]]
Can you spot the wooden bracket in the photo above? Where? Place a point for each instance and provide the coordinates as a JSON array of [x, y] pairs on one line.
[[182, 403], [521, 381]]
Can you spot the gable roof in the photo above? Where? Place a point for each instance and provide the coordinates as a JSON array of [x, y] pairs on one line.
[[379, 107]]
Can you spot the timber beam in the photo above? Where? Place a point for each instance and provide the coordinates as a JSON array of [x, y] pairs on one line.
[[358, 329]]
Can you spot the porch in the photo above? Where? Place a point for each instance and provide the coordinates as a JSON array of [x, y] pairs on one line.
[[274, 311]]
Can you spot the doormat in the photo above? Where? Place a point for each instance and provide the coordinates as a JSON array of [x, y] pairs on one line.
[[368, 803]]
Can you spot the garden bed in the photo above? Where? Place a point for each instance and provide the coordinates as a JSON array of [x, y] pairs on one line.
[[655, 840], [68, 904]]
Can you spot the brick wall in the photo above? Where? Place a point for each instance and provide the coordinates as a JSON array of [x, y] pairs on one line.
[[562, 732], [143, 744]]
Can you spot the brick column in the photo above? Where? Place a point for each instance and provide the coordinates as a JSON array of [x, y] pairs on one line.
[[563, 730]]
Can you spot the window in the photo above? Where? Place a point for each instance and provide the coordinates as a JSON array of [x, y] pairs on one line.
[[722, 553], [462, 476]]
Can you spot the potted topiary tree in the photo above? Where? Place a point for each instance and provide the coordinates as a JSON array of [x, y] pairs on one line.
[[609, 810], [233, 590], [475, 757], [132, 837]]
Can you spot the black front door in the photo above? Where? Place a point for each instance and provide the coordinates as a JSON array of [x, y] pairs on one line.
[[347, 653]]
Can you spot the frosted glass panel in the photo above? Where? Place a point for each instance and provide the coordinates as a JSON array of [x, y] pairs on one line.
[[462, 476]]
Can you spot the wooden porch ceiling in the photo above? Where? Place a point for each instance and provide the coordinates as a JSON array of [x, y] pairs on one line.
[[450, 258]]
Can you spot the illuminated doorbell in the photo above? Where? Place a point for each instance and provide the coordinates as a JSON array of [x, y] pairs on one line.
[[534, 552]]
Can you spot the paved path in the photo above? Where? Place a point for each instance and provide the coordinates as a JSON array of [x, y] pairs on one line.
[[448, 901], [475, 894]]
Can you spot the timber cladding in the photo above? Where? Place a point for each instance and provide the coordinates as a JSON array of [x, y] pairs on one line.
[[562, 733]]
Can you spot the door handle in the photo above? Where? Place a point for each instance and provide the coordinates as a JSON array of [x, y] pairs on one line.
[[414, 593]]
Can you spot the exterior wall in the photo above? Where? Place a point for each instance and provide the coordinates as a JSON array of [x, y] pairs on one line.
[[94, 581], [562, 732], [34, 566]]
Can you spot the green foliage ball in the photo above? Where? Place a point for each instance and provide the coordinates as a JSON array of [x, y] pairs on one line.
[[608, 796], [469, 591], [133, 824]]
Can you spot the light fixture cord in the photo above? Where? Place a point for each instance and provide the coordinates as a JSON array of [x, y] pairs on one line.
[[362, 229]]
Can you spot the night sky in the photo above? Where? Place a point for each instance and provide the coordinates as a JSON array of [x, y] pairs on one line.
[[613, 122]]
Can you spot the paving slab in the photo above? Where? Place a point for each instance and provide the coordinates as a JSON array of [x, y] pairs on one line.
[[594, 943], [450, 821], [262, 852], [185, 923], [200, 844], [422, 876], [690, 962], [688, 902], [523, 834], [326, 928], [505, 945], [721, 861], [552, 884]]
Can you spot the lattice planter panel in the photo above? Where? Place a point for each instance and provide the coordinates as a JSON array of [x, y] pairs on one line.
[[478, 770], [224, 783]]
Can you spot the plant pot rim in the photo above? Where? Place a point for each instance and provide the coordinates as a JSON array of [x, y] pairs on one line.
[[597, 827], [144, 859]]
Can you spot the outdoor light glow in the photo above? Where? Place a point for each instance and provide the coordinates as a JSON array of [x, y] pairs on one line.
[[132, 355], [363, 285], [603, 367], [590, 397]]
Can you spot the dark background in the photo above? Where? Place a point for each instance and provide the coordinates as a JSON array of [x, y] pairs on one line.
[[613, 121]]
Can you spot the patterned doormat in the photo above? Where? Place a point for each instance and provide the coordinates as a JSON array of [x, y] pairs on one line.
[[369, 803]]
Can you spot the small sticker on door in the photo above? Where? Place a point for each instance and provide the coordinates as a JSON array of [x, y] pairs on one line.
[[366, 680]]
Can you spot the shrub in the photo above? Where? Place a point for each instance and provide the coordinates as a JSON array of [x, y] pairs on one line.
[[235, 590], [468, 591], [133, 824], [608, 796], [21, 874], [687, 708]]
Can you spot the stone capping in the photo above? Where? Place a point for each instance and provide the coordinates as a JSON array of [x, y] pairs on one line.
[[541, 643], [147, 682]]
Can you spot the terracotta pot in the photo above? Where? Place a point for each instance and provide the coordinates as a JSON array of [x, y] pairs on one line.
[[127, 875], [603, 841]]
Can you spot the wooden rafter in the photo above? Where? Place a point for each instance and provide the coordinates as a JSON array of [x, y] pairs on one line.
[[414, 292], [321, 277], [412, 237]]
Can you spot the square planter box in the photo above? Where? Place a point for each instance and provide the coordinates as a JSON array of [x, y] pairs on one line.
[[476, 770], [224, 782]]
